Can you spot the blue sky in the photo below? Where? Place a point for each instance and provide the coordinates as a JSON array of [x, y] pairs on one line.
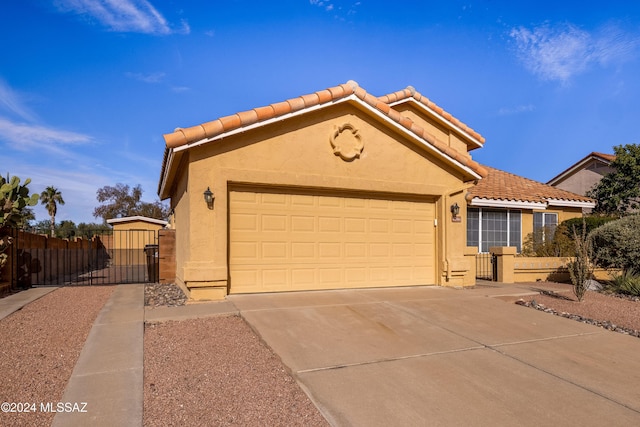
[[88, 87]]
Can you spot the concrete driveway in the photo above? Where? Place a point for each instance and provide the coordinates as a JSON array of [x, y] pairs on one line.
[[437, 356]]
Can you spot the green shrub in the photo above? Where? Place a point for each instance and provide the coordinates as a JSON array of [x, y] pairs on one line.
[[590, 222], [617, 244], [627, 282]]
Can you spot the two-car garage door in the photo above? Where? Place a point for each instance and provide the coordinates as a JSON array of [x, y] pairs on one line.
[[285, 241]]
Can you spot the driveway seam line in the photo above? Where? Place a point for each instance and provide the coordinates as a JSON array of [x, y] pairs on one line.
[[389, 359], [496, 349], [566, 380]]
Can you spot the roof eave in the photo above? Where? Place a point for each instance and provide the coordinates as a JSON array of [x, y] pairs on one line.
[[353, 98], [137, 218], [511, 204], [468, 137], [571, 203]]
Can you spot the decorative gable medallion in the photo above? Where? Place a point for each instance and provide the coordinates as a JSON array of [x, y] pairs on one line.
[[347, 142]]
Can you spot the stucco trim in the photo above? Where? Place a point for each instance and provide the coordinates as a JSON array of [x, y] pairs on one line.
[[571, 203], [511, 204], [137, 218]]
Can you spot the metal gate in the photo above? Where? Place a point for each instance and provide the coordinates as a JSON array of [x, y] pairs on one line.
[[120, 256], [486, 266]]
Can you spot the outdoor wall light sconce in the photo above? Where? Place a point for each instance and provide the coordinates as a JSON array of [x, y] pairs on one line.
[[455, 212], [208, 198]]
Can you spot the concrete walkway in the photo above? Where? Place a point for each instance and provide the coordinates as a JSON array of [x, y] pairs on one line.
[[406, 356], [15, 302], [109, 372]]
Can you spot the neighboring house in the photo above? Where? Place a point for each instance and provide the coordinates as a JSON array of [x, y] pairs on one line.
[[585, 174], [129, 238], [504, 208], [335, 189]]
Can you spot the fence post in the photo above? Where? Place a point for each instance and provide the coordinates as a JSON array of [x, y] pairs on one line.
[[505, 258]]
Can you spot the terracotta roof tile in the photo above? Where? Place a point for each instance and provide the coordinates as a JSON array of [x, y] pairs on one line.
[[608, 157], [500, 185], [336, 92], [310, 100], [229, 123], [281, 108], [296, 104], [410, 92], [195, 132], [406, 122], [248, 117], [264, 113], [213, 127], [175, 139], [324, 96]]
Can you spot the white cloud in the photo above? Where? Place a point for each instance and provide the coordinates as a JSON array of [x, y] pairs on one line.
[[25, 136], [180, 89], [563, 51], [507, 111], [12, 102], [136, 16], [147, 78], [338, 9]]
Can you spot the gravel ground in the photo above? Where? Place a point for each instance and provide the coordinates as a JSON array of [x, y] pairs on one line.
[[613, 312], [212, 371], [163, 295], [40, 346], [216, 371]]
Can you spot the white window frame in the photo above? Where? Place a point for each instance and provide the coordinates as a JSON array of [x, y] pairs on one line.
[[479, 237]]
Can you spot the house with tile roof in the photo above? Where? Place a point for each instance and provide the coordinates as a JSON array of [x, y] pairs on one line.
[[583, 175], [503, 208], [331, 190]]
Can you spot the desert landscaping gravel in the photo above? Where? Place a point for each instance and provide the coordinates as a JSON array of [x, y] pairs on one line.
[[40, 346], [216, 371], [213, 371], [610, 311]]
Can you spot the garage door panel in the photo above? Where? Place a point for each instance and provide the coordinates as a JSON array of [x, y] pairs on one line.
[[277, 250], [274, 222], [247, 251], [303, 250], [275, 279], [285, 241], [304, 277], [303, 223]]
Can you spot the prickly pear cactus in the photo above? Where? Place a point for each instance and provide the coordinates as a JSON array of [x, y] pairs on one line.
[[13, 199]]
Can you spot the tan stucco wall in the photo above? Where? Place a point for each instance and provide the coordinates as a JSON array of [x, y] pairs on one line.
[[297, 153], [584, 179], [181, 220]]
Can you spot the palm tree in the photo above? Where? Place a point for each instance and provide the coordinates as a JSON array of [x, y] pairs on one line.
[[50, 197]]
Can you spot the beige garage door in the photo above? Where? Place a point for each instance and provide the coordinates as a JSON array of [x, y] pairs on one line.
[[280, 241]]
